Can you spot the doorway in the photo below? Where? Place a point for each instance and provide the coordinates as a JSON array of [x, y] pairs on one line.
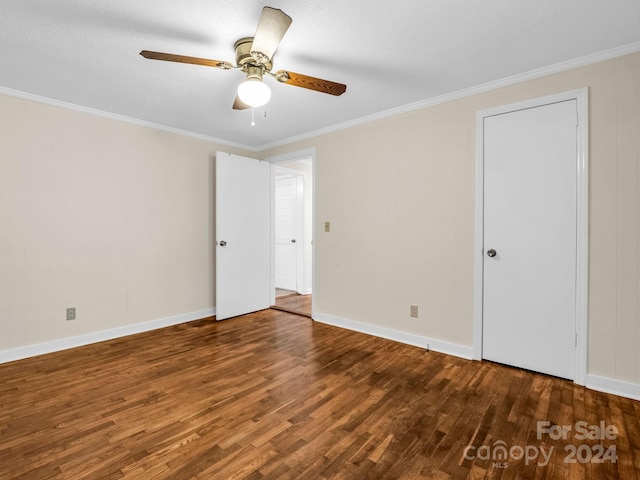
[[292, 221], [530, 284], [289, 230]]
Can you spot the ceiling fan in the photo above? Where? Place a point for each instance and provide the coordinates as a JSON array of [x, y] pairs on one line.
[[254, 56]]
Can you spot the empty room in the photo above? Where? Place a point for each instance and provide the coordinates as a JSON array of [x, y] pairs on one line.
[[414, 255]]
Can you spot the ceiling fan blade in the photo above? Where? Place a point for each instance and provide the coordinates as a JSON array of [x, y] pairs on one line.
[[170, 57], [273, 24], [239, 104], [312, 83]]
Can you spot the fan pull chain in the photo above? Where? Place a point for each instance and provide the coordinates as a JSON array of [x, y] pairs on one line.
[[253, 116]]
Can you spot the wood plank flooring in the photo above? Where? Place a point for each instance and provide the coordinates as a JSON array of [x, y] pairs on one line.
[[276, 396], [294, 303]]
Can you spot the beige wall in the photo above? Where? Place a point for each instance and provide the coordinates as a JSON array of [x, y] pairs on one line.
[[112, 218], [117, 219], [400, 197]]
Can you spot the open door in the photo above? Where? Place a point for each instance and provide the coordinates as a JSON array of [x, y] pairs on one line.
[[243, 235]]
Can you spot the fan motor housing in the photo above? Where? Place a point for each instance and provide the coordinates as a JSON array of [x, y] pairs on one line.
[[244, 58]]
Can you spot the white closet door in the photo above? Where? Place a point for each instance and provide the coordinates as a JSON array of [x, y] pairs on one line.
[[529, 298]]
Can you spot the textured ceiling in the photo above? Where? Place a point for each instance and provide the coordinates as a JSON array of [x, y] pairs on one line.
[[390, 54]]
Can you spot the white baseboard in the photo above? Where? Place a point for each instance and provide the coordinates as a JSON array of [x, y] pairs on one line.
[[101, 336], [593, 382], [402, 337], [616, 387]]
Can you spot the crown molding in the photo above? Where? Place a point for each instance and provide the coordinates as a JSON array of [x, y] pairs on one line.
[[467, 92], [429, 102], [121, 118]]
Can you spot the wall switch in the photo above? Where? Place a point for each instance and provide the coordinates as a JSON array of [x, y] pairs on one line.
[[414, 311], [327, 226], [71, 313]]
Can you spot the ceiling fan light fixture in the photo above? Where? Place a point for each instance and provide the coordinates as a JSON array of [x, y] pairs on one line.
[[254, 57], [254, 92]]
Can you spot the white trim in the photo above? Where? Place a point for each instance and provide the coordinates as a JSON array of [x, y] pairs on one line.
[[429, 102], [582, 217], [120, 118], [101, 336], [302, 241], [398, 336], [582, 237], [593, 382], [615, 387], [467, 92], [307, 153], [478, 242]]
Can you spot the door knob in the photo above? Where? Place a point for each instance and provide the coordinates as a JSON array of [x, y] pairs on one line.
[[222, 243], [293, 240], [491, 252]]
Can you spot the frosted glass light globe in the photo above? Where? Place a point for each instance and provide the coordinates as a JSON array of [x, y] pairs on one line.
[[254, 92]]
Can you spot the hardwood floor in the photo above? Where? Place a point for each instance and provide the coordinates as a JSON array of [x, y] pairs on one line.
[[277, 396], [293, 302]]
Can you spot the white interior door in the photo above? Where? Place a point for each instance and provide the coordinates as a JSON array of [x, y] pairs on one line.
[[287, 231], [243, 235], [529, 271]]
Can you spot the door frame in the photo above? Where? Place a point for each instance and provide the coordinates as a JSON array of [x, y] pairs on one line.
[[582, 219], [308, 153]]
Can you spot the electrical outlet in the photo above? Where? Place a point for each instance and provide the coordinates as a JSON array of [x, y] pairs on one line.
[[414, 311], [71, 313]]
